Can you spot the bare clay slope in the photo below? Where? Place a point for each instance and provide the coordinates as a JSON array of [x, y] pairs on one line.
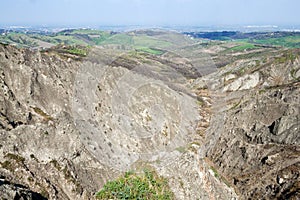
[[40, 147], [253, 139], [69, 125]]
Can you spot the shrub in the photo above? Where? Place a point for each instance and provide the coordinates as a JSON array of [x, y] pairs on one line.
[[133, 186]]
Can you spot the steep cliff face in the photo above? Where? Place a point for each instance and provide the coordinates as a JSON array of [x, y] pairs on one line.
[[69, 124], [16, 191], [40, 148], [253, 138]]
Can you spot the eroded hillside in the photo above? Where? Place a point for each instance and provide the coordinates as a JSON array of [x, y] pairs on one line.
[[253, 138], [73, 119]]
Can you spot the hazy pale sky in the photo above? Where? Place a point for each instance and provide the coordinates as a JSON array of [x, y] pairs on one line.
[[150, 12]]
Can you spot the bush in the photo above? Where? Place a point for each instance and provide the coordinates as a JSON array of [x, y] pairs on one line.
[[133, 186]]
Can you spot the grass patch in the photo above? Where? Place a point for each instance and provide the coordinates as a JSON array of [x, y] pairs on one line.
[[43, 114], [12, 165], [200, 101], [216, 174], [150, 50], [133, 186], [243, 46], [118, 39], [262, 91], [56, 164], [17, 158], [7, 165], [288, 41], [69, 40], [288, 56], [77, 51], [147, 41], [103, 36], [30, 179], [236, 105], [225, 181]]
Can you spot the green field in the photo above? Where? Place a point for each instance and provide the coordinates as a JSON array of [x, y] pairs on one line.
[[150, 50], [242, 46], [289, 41]]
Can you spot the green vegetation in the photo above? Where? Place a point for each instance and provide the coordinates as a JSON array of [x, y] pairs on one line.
[[46, 38], [30, 179], [7, 164], [225, 181], [56, 164], [150, 50], [77, 51], [19, 39], [279, 39], [69, 40], [243, 46], [98, 39], [288, 56], [200, 101], [288, 41], [43, 114], [216, 174], [262, 91], [68, 175], [236, 105], [151, 42], [133, 186], [119, 39], [15, 157]]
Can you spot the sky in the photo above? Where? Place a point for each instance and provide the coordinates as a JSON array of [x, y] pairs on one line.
[[149, 12]]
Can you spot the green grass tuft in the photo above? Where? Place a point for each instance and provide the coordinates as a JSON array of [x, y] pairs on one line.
[[77, 51], [43, 114], [133, 186]]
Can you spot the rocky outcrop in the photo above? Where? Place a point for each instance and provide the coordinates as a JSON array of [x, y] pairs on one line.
[[15, 191]]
